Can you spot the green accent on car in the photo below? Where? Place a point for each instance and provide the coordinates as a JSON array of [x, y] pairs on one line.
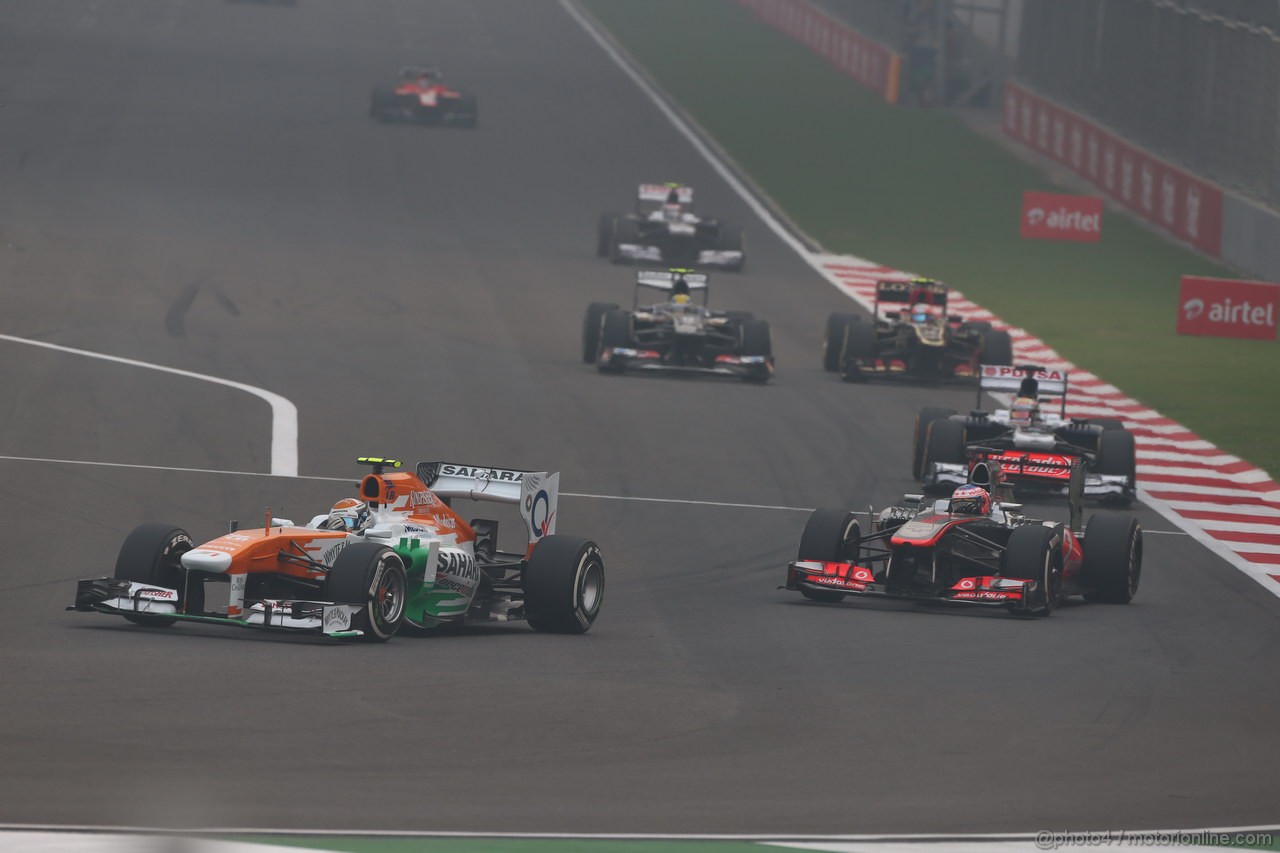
[[919, 190]]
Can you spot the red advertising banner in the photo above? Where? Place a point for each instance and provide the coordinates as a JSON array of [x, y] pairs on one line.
[[1180, 203], [1050, 216], [868, 62], [1228, 308]]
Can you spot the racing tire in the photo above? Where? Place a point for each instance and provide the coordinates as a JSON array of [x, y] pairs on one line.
[[927, 415], [1112, 558], [563, 585], [382, 102], [373, 577], [604, 233], [977, 327], [1031, 555], [624, 231], [732, 239], [944, 441], [755, 338], [857, 343], [833, 340], [152, 554], [1117, 455], [740, 316], [591, 322], [615, 331], [997, 348], [831, 536]]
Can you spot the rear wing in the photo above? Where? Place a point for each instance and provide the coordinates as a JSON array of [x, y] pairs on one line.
[[666, 280], [664, 194], [1025, 380], [910, 292], [536, 492]]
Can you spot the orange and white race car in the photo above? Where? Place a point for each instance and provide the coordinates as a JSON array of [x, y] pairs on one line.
[[395, 554]]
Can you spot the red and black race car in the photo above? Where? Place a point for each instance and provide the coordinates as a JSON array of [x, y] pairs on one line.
[[969, 549], [420, 95]]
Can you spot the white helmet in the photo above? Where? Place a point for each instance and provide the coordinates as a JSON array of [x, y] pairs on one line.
[[349, 514]]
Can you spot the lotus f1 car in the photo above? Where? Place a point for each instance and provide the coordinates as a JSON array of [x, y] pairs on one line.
[[665, 230], [1037, 448], [420, 95], [933, 551], [678, 335], [416, 563], [915, 339]]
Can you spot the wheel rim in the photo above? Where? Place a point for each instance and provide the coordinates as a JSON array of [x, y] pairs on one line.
[[591, 587], [388, 597]]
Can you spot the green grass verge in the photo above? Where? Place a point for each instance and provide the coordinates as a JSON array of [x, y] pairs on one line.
[[918, 190], [504, 845]]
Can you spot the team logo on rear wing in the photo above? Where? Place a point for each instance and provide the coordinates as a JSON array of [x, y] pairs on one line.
[[1001, 377], [661, 192], [666, 279]]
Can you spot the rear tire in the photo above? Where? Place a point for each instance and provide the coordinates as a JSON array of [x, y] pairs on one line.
[[944, 441], [1117, 455], [833, 340], [1112, 558], [927, 415], [373, 577], [732, 239], [830, 536], [1106, 423], [152, 554], [591, 322], [624, 231], [858, 344], [563, 585], [1030, 555], [997, 348], [604, 233]]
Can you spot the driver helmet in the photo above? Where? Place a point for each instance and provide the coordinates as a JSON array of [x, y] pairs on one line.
[[349, 514], [1024, 411], [970, 500], [681, 299], [920, 313]]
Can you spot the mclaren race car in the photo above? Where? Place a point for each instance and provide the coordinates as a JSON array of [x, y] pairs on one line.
[[916, 338], [420, 95], [678, 335], [975, 547], [665, 230], [395, 554], [1037, 448]]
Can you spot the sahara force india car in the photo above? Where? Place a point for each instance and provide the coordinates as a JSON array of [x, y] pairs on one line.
[[416, 563], [921, 342], [676, 336], [1037, 449], [420, 95], [955, 550], [665, 230]]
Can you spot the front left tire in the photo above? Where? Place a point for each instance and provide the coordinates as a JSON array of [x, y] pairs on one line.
[[830, 536], [152, 554]]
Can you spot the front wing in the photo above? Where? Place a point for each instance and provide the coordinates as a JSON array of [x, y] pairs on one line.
[[619, 359], [129, 598], [851, 579]]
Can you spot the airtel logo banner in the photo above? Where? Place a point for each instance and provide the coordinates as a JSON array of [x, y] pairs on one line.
[[1227, 308], [1049, 216]]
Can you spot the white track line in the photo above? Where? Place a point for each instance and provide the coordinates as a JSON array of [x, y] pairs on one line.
[[284, 415]]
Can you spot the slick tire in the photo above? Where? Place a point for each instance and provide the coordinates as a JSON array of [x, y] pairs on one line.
[[371, 576], [997, 348], [740, 316], [756, 338], [944, 441], [591, 322], [563, 585], [604, 233], [152, 554], [833, 340], [858, 344], [624, 231], [615, 331], [1117, 455], [1112, 558], [831, 536], [1031, 555], [732, 239], [927, 415]]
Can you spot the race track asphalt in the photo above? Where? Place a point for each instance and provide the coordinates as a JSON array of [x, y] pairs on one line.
[[197, 184]]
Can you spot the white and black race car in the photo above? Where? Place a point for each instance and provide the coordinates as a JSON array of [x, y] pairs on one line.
[[665, 230], [678, 335]]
